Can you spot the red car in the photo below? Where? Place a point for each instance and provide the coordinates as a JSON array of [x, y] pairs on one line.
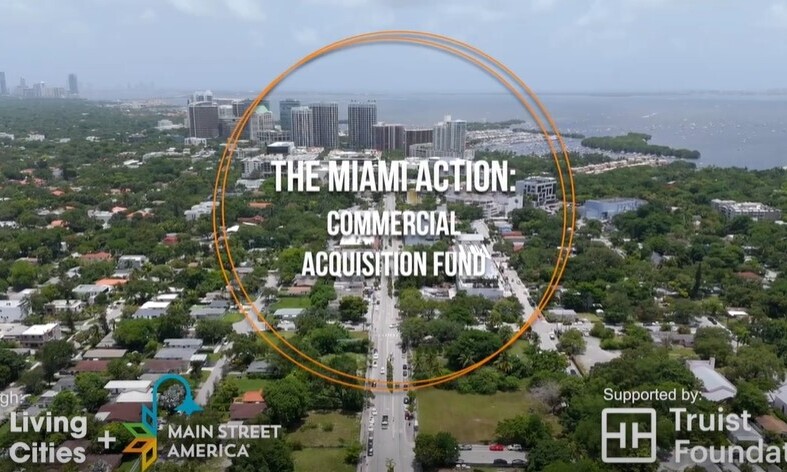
[[497, 447]]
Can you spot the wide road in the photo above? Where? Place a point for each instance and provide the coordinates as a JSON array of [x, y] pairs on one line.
[[540, 326], [396, 442]]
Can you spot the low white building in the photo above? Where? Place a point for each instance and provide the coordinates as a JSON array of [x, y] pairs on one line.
[[715, 387], [12, 311], [37, 335]]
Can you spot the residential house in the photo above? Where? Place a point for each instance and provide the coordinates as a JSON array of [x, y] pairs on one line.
[[104, 354], [89, 292], [715, 387], [12, 311]]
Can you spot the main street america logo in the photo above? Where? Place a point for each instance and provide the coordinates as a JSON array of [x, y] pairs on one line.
[[145, 442]]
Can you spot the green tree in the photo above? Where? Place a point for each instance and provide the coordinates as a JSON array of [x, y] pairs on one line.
[[713, 342], [436, 451], [526, 430], [572, 342], [134, 334], [65, 403], [23, 275], [54, 356], [288, 400], [212, 331], [750, 398], [91, 391], [118, 431], [352, 309]]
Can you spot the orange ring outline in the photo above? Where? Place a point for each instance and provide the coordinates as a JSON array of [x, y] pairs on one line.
[[455, 374], [394, 36]]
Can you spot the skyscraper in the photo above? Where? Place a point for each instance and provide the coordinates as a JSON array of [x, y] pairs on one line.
[[203, 120], [361, 117], [388, 137], [325, 125], [417, 136], [73, 86], [239, 106], [450, 137], [285, 113], [261, 120], [302, 126], [202, 96], [3, 87]]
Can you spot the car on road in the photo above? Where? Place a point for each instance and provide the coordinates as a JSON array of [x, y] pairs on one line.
[[374, 363], [552, 335], [374, 411], [376, 356], [382, 370], [514, 447], [392, 325], [406, 400], [465, 447], [518, 462], [497, 447], [384, 422], [369, 452], [371, 428], [371, 420], [500, 462], [404, 366]]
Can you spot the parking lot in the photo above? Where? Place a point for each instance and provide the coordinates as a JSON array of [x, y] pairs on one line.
[[480, 455]]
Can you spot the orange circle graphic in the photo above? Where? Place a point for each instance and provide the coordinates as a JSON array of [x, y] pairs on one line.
[[458, 49]]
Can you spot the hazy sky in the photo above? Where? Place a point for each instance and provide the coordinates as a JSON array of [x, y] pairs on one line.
[[554, 45]]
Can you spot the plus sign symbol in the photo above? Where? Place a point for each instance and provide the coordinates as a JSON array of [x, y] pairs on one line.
[[107, 440]]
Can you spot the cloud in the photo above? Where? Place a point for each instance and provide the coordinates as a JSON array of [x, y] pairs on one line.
[[777, 14], [306, 36], [149, 15], [247, 10]]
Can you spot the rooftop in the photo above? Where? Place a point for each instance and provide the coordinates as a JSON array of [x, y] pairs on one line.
[[40, 329]]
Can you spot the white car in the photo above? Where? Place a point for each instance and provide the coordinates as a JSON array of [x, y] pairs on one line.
[[392, 325], [382, 370], [374, 411], [376, 356], [371, 428], [374, 363], [371, 420]]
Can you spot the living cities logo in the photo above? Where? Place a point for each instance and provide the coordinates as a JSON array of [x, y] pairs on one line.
[[145, 442]]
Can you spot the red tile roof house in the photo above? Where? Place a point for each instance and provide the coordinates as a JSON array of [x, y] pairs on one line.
[[130, 412], [248, 406]]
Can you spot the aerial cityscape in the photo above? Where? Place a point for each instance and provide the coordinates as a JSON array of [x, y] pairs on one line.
[[196, 277]]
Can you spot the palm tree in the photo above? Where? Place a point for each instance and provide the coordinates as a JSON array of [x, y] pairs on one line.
[[465, 359], [503, 363]]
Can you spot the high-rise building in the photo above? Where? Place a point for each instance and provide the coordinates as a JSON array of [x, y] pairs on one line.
[[239, 107], [73, 85], [417, 136], [361, 117], [261, 120], [285, 113], [202, 96], [325, 125], [302, 122], [388, 136], [3, 87], [450, 137], [203, 120]]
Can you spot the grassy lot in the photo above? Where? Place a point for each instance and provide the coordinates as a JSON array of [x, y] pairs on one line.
[[322, 459], [359, 334], [290, 302], [518, 348], [680, 352], [473, 418], [233, 317], [591, 317], [246, 384], [331, 429]]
